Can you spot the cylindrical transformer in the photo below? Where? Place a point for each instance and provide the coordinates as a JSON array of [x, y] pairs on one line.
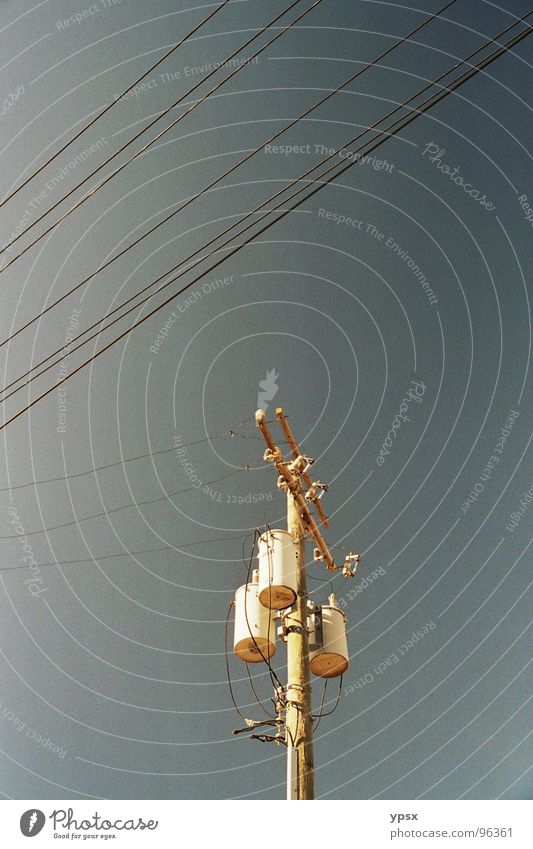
[[277, 569], [255, 629], [329, 658]]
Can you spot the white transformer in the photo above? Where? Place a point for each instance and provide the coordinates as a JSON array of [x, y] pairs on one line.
[[328, 656], [277, 569], [255, 629]]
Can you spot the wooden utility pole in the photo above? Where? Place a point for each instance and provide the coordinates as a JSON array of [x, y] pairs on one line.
[[303, 495], [299, 724]]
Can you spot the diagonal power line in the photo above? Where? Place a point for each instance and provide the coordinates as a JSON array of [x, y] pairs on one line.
[[384, 135], [189, 200], [148, 144], [247, 215], [110, 105], [228, 433]]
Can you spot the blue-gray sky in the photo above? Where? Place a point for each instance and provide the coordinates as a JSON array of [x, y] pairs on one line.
[[392, 297]]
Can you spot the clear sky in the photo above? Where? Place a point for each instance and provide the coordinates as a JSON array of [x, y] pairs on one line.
[[390, 317]]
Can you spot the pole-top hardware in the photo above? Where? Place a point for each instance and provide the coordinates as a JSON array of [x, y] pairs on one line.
[[316, 491], [272, 455], [301, 464], [293, 478], [252, 723], [351, 562]]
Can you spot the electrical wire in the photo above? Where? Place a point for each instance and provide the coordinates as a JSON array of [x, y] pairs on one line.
[[115, 101], [121, 462], [404, 121], [258, 700], [228, 241], [123, 507], [228, 673], [118, 554], [335, 706], [157, 137], [318, 717], [211, 185]]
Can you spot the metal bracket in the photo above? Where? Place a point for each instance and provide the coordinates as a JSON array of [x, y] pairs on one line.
[[268, 738], [316, 627], [252, 723], [272, 456], [351, 562]]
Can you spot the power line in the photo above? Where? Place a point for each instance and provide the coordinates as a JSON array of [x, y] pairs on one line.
[[229, 433], [228, 230], [157, 137], [211, 185], [426, 104], [124, 507], [258, 700], [228, 673], [321, 714], [114, 102], [399, 124], [120, 554]]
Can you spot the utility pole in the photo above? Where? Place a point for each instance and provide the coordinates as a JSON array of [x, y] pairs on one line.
[[299, 724], [301, 620]]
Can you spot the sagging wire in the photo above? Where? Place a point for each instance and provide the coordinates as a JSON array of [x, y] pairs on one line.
[[123, 507], [226, 653], [228, 433], [258, 700], [335, 706], [98, 557], [318, 717]]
